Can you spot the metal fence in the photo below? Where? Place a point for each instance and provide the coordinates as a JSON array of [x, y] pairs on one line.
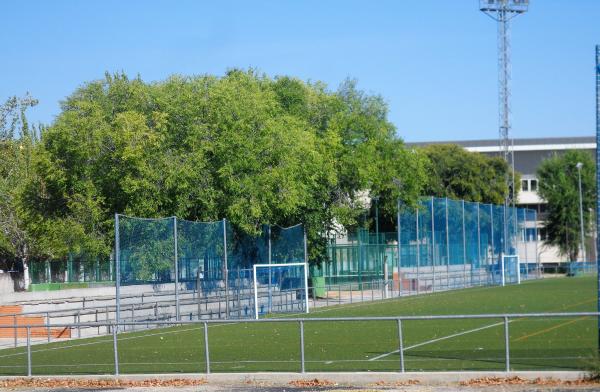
[[193, 305], [171, 254], [442, 243], [206, 343], [74, 269]]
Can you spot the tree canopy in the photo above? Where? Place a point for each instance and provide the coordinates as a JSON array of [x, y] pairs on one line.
[[559, 186], [457, 173], [245, 146]]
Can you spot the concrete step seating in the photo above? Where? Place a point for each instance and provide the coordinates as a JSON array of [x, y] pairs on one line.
[[11, 313]]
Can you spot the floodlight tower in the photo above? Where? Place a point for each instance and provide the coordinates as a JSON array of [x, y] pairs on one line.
[[502, 11]]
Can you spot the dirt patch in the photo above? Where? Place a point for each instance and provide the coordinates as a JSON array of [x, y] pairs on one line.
[[313, 383], [495, 381], [83, 383]]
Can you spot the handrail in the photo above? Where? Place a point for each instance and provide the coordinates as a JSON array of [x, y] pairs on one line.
[[317, 319]]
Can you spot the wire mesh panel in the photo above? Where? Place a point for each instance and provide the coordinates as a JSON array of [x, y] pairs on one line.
[[472, 251], [486, 247], [511, 272], [407, 275], [440, 241], [280, 288], [287, 244], [200, 251], [146, 251]]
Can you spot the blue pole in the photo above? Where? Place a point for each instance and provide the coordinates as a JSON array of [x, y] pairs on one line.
[[598, 178]]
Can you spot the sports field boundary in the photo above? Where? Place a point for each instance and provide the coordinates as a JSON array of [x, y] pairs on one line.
[[505, 317], [338, 378]]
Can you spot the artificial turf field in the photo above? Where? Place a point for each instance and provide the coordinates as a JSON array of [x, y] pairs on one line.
[[430, 345]]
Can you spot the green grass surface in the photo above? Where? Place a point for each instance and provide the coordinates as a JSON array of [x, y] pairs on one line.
[[560, 343]]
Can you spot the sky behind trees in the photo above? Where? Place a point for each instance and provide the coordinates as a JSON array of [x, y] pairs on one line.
[[433, 61]]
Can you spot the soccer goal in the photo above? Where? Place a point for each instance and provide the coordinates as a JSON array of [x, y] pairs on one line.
[[280, 288], [510, 269]]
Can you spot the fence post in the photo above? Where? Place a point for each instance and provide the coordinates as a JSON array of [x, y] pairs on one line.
[[117, 273], [400, 345], [302, 368], [15, 328], [226, 271], [115, 349], [28, 351], [464, 246], [432, 247], [177, 315], [478, 246], [493, 280], [418, 252], [48, 326], [447, 249], [399, 252], [206, 351], [506, 344]]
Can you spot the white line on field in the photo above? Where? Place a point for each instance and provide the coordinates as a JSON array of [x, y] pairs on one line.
[[438, 339]]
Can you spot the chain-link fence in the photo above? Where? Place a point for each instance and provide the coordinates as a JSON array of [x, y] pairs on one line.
[[207, 259], [440, 245]]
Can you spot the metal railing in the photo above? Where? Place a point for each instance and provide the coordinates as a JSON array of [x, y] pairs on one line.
[[114, 328], [194, 305]]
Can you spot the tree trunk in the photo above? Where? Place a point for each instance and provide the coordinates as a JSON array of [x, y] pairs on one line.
[[26, 276]]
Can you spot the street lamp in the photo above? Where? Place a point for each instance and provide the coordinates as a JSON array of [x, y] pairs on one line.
[[579, 166]]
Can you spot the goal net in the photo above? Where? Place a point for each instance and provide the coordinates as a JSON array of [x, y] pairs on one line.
[[280, 288], [510, 269]]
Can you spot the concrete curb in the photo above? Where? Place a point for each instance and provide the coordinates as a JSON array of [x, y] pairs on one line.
[[341, 378]]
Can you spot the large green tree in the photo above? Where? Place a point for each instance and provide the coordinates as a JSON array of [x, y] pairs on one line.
[[559, 187], [460, 174], [244, 146], [17, 143]]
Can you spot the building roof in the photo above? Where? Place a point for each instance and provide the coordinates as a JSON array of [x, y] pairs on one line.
[[517, 142], [526, 144], [529, 153]]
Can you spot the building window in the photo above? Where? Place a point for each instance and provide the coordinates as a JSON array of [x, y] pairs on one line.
[[524, 185], [530, 234], [533, 185]]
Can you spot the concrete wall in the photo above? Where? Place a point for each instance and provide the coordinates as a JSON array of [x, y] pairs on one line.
[[6, 285]]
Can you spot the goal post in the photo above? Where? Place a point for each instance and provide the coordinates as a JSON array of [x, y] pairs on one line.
[[280, 288], [510, 268]]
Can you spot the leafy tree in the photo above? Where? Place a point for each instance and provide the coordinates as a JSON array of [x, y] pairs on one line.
[[460, 174], [559, 187], [17, 143], [253, 149]]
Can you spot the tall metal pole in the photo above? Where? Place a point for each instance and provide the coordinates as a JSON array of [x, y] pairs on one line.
[[432, 246], [118, 271], [447, 250], [399, 253], [225, 268], [464, 246], [270, 259], [598, 177], [502, 11], [584, 259], [177, 314], [418, 252], [378, 258]]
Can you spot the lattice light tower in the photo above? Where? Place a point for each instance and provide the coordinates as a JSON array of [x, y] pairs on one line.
[[502, 11]]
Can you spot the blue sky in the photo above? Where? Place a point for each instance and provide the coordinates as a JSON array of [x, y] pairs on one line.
[[433, 61]]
